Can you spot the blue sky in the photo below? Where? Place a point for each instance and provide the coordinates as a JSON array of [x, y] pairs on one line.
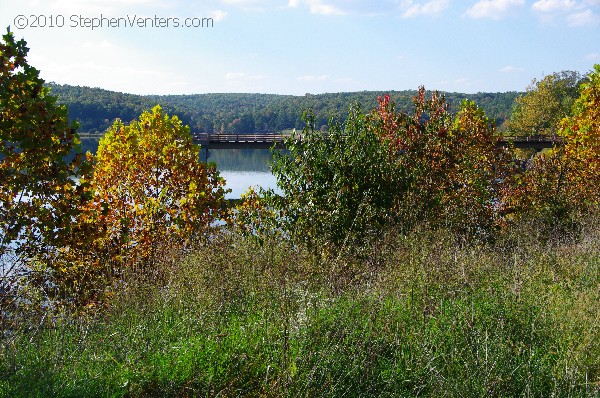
[[306, 46]]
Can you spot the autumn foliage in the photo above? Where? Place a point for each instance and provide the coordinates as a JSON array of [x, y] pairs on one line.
[[564, 182], [38, 193], [150, 187], [73, 223], [539, 111], [453, 164], [78, 222], [581, 133], [150, 198], [389, 168]]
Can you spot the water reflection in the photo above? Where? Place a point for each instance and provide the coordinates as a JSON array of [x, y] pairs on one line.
[[253, 160], [240, 181], [241, 168]]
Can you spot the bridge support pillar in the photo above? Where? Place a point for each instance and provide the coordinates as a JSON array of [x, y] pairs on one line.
[[204, 153]]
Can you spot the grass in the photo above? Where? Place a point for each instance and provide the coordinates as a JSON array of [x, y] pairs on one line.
[[420, 316]]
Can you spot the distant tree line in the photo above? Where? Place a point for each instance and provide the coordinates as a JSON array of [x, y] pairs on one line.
[[96, 109]]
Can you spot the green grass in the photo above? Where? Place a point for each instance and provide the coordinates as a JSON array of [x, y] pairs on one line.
[[420, 316]]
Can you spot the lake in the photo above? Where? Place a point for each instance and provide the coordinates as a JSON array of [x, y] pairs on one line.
[[241, 168]]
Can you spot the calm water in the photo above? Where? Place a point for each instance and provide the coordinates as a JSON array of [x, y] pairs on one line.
[[241, 168]]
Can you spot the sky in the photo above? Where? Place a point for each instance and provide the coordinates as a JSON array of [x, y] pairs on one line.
[[304, 46]]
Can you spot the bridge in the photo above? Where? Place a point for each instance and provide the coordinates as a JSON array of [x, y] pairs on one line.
[[534, 142], [267, 140], [240, 141]]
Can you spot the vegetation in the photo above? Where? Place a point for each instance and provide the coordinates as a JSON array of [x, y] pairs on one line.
[[407, 257], [387, 168], [37, 181], [563, 182], [149, 183], [96, 109], [150, 195], [546, 102], [422, 318]]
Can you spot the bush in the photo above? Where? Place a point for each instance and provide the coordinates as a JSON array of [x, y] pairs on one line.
[[391, 169]]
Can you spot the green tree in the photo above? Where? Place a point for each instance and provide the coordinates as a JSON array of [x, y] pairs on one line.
[[338, 186], [546, 102], [39, 194], [389, 168]]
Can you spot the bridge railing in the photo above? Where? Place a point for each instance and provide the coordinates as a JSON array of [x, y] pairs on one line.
[[228, 137], [266, 138], [534, 138]]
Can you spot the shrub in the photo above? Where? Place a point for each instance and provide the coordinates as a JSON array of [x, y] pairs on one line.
[[390, 168]]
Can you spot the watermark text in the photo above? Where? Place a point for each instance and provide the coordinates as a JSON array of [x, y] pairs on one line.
[[101, 21]]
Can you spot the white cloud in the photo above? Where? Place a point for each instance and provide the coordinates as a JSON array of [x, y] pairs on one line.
[[249, 5], [511, 69], [312, 78], [242, 2], [495, 9], [574, 13], [546, 6], [432, 7], [406, 8], [356, 7], [217, 15], [592, 57], [319, 7], [583, 18]]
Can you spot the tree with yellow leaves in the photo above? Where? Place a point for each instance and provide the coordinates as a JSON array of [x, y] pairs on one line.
[[150, 187], [546, 102], [581, 133], [565, 180]]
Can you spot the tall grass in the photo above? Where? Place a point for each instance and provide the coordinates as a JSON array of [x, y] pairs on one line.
[[420, 316]]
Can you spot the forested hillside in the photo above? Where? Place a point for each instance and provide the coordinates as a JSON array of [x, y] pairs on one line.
[[96, 108]]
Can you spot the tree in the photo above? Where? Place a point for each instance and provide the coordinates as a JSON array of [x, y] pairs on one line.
[[336, 187], [150, 188], [565, 180], [546, 103], [581, 133], [453, 165], [39, 193], [390, 168]]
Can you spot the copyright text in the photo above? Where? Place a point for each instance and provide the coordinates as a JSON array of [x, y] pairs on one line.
[[101, 21]]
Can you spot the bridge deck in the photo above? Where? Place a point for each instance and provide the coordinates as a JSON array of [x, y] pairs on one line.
[[229, 141], [267, 140], [534, 142], [240, 141]]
